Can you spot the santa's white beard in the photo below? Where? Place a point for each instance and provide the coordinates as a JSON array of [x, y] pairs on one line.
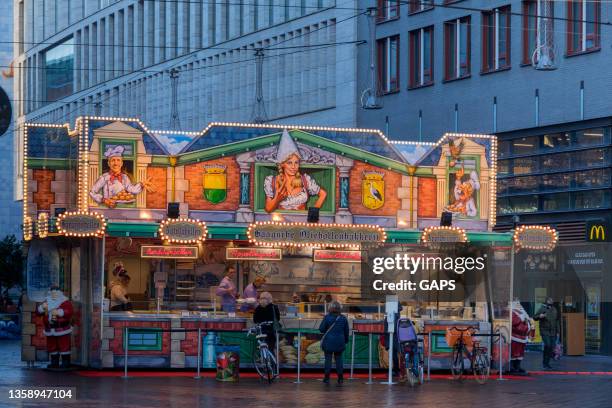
[[53, 304]]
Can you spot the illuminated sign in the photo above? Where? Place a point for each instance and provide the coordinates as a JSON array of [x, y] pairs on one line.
[[597, 231], [254, 254], [331, 255], [182, 231], [443, 235], [537, 237], [81, 224], [161, 251], [301, 234]]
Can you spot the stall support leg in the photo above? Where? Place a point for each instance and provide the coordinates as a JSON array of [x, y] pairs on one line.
[[199, 352], [277, 360], [428, 355], [125, 351], [391, 351], [299, 352], [352, 355], [369, 359], [500, 363]]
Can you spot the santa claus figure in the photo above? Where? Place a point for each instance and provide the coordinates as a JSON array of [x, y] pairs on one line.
[[521, 330], [57, 314]]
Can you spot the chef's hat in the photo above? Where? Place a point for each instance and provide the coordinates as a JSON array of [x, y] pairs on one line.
[[286, 148], [114, 151]]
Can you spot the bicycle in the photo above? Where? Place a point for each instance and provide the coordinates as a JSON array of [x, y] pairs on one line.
[[413, 357], [478, 358], [263, 359]]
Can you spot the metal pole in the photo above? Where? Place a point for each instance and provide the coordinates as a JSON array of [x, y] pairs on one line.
[[199, 351], [369, 358], [277, 360], [428, 355], [512, 254], [299, 352], [390, 372], [501, 361], [125, 350], [352, 354]]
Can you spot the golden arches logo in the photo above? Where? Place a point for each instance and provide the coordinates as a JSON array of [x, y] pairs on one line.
[[597, 230]]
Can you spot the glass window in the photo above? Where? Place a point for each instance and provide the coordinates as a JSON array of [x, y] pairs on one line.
[[502, 186], [591, 137], [503, 167], [591, 199], [556, 141], [583, 21], [388, 63], [527, 165], [523, 185], [503, 206], [495, 38], [421, 57], [503, 148], [593, 178], [590, 158], [524, 204], [457, 48], [560, 181], [554, 162], [59, 70], [387, 10], [525, 145], [555, 202]]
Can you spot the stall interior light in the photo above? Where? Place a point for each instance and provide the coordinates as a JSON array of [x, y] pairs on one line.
[[545, 245], [98, 233], [43, 225], [27, 228], [169, 239]]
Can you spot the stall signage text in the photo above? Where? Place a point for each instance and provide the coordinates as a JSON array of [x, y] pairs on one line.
[[81, 224], [330, 255], [160, 251], [183, 231], [254, 254], [536, 237], [443, 234]]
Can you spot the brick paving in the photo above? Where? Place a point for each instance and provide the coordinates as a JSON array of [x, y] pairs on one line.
[[585, 391]]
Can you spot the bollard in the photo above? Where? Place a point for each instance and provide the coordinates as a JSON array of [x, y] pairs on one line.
[[199, 351], [369, 359], [299, 352], [352, 355], [428, 355], [125, 351]]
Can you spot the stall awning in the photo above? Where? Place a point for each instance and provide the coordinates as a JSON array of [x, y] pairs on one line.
[[238, 232]]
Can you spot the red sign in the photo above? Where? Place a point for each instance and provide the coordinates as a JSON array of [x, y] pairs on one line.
[[254, 254], [330, 255], [160, 251]]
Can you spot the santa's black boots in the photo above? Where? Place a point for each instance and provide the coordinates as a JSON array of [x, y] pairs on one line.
[[65, 361], [54, 361]]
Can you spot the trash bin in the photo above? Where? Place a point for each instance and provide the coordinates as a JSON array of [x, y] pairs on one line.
[[228, 362]]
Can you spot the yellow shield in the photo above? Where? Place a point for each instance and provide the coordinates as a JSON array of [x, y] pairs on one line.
[[373, 190], [215, 184]]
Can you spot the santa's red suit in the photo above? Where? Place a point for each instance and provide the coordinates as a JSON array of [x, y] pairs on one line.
[[521, 329], [57, 315]]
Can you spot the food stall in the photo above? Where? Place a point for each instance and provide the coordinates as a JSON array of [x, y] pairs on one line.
[[173, 209]]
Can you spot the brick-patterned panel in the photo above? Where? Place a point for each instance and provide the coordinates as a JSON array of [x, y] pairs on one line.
[[426, 197], [38, 340], [158, 177], [44, 197], [194, 173], [392, 182]]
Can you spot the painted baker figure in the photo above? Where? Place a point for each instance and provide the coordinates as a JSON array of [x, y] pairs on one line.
[[56, 312], [115, 187]]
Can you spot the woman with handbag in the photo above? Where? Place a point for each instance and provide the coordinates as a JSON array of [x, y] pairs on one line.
[[335, 329], [267, 311]]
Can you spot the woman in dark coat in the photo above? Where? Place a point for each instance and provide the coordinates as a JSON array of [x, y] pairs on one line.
[[335, 329], [267, 312]]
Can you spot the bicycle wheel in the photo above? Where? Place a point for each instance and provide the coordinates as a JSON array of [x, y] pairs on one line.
[[271, 365], [481, 366], [411, 371], [259, 362], [457, 363]]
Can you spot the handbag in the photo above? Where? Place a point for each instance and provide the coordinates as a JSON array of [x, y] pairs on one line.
[[276, 324]]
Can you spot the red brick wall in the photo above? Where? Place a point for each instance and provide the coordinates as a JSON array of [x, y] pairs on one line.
[[43, 198], [195, 195], [158, 177], [427, 197], [392, 182], [116, 344]]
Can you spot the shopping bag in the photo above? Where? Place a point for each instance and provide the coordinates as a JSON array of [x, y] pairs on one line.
[[558, 350]]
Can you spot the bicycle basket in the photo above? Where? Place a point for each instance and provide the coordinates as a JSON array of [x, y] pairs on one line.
[[453, 336]]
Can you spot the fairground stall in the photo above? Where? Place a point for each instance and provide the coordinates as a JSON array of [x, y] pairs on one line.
[[308, 209]]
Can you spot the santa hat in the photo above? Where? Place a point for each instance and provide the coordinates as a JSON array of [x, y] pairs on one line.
[[286, 148], [114, 151]]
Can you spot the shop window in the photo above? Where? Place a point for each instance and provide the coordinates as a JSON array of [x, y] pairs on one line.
[[590, 158], [496, 39], [457, 48], [556, 141], [583, 25], [387, 10], [592, 178], [553, 162], [144, 339], [503, 168], [592, 137], [559, 181], [524, 204], [556, 202], [525, 145], [59, 71], [415, 6], [527, 165], [421, 57], [388, 63], [583, 200]]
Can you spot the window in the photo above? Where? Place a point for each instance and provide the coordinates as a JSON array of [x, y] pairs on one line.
[[387, 10], [525, 145], [457, 48], [556, 202], [591, 199], [421, 57], [496, 39], [552, 162], [558, 181], [503, 167], [59, 70], [583, 18], [388, 63], [532, 19], [593, 178], [526, 165], [144, 339], [592, 137], [419, 5], [590, 158], [556, 141]]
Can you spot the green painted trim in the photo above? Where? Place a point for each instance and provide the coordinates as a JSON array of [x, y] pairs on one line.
[[51, 164], [143, 230], [229, 149], [139, 331], [414, 237]]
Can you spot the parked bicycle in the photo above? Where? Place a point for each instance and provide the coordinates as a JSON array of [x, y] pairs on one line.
[[413, 356], [461, 340], [263, 359]]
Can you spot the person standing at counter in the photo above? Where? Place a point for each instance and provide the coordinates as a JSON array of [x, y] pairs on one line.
[[118, 293], [267, 311], [227, 290], [335, 329], [250, 294], [548, 317]]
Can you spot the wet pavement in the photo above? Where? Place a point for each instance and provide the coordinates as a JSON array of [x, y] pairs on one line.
[[178, 389]]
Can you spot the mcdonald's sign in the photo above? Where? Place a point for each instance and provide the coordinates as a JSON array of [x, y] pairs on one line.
[[598, 231]]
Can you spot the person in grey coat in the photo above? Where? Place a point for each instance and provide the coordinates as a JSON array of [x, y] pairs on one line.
[[335, 329], [550, 327]]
